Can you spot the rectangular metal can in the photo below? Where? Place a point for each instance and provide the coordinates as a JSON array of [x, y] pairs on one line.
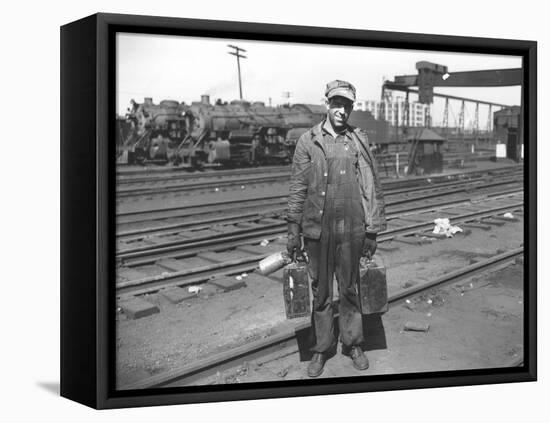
[[373, 288], [296, 290]]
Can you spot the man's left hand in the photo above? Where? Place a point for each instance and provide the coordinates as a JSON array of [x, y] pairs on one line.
[[369, 245]]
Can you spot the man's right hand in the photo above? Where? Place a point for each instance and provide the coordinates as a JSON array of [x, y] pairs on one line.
[[294, 243]]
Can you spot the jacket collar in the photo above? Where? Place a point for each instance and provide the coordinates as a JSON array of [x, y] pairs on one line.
[[352, 132], [317, 133], [317, 136]]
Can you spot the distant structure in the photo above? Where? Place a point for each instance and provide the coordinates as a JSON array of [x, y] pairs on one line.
[[507, 126], [393, 111]]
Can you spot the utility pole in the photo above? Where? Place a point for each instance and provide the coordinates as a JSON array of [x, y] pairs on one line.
[[237, 53], [288, 96]]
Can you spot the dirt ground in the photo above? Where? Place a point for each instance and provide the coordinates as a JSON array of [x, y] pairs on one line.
[[475, 325], [480, 328]]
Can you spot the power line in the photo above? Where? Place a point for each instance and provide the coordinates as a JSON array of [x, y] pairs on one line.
[[239, 56]]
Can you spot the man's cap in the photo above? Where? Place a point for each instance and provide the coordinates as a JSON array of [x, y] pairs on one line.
[[341, 88]]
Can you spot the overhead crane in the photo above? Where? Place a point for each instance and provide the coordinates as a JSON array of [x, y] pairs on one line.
[[432, 75]]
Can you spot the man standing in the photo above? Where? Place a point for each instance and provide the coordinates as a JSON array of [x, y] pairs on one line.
[[336, 203]]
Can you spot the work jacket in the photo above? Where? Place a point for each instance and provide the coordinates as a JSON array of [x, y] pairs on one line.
[[308, 183]]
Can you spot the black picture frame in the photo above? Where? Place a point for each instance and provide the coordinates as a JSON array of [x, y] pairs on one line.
[[88, 196]]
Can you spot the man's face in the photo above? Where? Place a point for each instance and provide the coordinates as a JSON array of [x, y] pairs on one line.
[[339, 109]]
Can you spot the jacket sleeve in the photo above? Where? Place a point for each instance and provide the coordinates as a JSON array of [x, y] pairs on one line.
[[373, 198], [301, 164], [377, 221]]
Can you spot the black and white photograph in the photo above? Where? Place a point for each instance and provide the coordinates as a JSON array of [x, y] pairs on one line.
[[295, 211], [271, 211]]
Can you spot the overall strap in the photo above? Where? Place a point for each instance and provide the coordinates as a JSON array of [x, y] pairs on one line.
[[362, 144]]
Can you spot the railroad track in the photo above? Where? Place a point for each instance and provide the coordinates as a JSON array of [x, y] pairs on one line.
[[285, 342], [151, 173], [236, 211], [220, 255], [127, 189], [161, 187], [244, 205], [272, 214]]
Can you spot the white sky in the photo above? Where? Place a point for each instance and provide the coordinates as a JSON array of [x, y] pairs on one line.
[[183, 68]]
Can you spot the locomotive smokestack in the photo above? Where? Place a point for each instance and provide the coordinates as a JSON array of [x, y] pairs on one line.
[[205, 99]]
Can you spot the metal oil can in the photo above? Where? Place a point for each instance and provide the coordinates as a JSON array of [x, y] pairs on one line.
[[373, 288], [296, 290], [274, 262]]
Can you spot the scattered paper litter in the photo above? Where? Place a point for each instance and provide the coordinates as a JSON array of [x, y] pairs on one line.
[[239, 278], [508, 215], [195, 289], [264, 243], [244, 275], [443, 226]]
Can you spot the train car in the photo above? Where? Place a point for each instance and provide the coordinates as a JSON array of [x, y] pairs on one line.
[[223, 134], [236, 133], [154, 130]]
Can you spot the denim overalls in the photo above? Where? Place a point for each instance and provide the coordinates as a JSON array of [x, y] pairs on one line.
[[339, 248]]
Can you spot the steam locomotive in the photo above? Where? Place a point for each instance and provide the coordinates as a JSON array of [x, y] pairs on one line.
[[205, 134]]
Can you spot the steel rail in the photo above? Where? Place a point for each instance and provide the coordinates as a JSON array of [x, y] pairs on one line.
[[268, 229], [250, 263], [156, 190], [183, 173], [151, 174], [456, 187], [156, 214], [194, 186], [138, 216], [428, 180], [275, 231]]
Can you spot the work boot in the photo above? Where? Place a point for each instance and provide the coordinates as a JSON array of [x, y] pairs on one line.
[[359, 359], [316, 365]]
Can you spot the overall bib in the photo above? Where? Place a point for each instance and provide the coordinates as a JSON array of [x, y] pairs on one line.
[[338, 250]]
